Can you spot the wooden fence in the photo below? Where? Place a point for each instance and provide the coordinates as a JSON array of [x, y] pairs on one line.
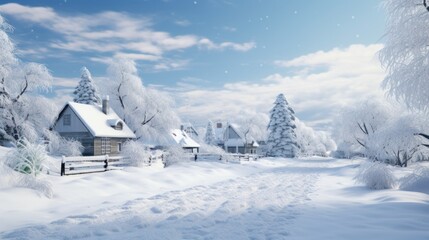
[[226, 157], [80, 165], [92, 164]]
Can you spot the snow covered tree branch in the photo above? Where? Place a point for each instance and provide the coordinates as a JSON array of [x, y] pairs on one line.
[[20, 109], [146, 111]]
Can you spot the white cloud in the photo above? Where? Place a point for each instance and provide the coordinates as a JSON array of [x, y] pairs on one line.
[[243, 47], [168, 65], [230, 29], [182, 23], [349, 75], [113, 33]]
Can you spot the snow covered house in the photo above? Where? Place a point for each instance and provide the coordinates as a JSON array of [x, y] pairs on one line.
[[190, 130], [98, 128], [232, 140], [180, 137]]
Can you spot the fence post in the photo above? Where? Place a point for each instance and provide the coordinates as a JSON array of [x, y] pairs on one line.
[[106, 163], [162, 160], [150, 160], [196, 156], [63, 166]]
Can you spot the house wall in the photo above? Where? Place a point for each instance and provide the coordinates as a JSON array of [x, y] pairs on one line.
[[76, 131], [76, 124], [231, 133], [112, 143]]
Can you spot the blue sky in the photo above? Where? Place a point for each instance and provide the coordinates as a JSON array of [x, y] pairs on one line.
[[215, 58]]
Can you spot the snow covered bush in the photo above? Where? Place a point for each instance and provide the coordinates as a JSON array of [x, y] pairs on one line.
[[417, 181], [376, 175], [313, 143], [206, 148], [41, 186], [60, 146], [137, 153], [27, 158], [11, 178], [381, 132], [282, 140], [176, 154]]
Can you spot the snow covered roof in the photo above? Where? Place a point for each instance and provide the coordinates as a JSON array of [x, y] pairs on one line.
[[180, 137], [98, 123], [234, 141]]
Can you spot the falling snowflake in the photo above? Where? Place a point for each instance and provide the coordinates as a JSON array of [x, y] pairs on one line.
[[195, 2]]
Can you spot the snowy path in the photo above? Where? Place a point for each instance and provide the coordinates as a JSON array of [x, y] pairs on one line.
[[258, 206]]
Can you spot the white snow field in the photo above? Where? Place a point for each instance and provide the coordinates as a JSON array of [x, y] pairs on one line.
[[311, 198]]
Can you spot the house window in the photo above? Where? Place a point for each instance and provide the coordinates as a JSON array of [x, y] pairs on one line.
[[119, 126], [67, 120], [105, 145], [119, 147]]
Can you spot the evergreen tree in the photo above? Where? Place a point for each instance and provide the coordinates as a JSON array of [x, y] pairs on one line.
[[210, 135], [86, 91], [282, 140]]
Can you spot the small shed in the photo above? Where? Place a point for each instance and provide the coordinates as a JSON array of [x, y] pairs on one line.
[[181, 138], [99, 129]]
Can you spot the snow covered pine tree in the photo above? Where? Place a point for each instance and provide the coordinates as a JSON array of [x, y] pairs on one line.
[[282, 140], [210, 135], [86, 91]]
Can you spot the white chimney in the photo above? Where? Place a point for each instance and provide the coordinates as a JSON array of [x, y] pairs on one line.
[[105, 105]]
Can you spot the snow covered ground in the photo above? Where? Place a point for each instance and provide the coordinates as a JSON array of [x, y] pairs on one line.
[[312, 198]]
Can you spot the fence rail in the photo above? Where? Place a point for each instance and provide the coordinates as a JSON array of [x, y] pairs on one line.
[[226, 157], [92, 164]]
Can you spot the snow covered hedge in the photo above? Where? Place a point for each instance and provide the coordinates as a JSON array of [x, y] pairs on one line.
[[60, 146], [137, 153], [417, 181], [376, 175], [175, 154]]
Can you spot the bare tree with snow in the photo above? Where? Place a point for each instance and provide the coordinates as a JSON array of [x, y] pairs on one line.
[[382, 133], [23, 114], [282, 140], [86, 91], [210, 137], [148, 112]]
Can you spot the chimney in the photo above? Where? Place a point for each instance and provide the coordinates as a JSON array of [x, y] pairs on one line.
[[182, 127], [105, 105]]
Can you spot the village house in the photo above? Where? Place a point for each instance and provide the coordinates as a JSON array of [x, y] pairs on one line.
[[190, 130], [181, 138], [98, 128], [232, 140]]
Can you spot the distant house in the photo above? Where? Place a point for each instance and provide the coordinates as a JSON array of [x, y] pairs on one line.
[[190, 130], [98, 128], [181, 138], [232, 140]]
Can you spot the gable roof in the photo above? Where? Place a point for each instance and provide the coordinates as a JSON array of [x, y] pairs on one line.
[[98, 123], [181, 137], [221, 135]]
